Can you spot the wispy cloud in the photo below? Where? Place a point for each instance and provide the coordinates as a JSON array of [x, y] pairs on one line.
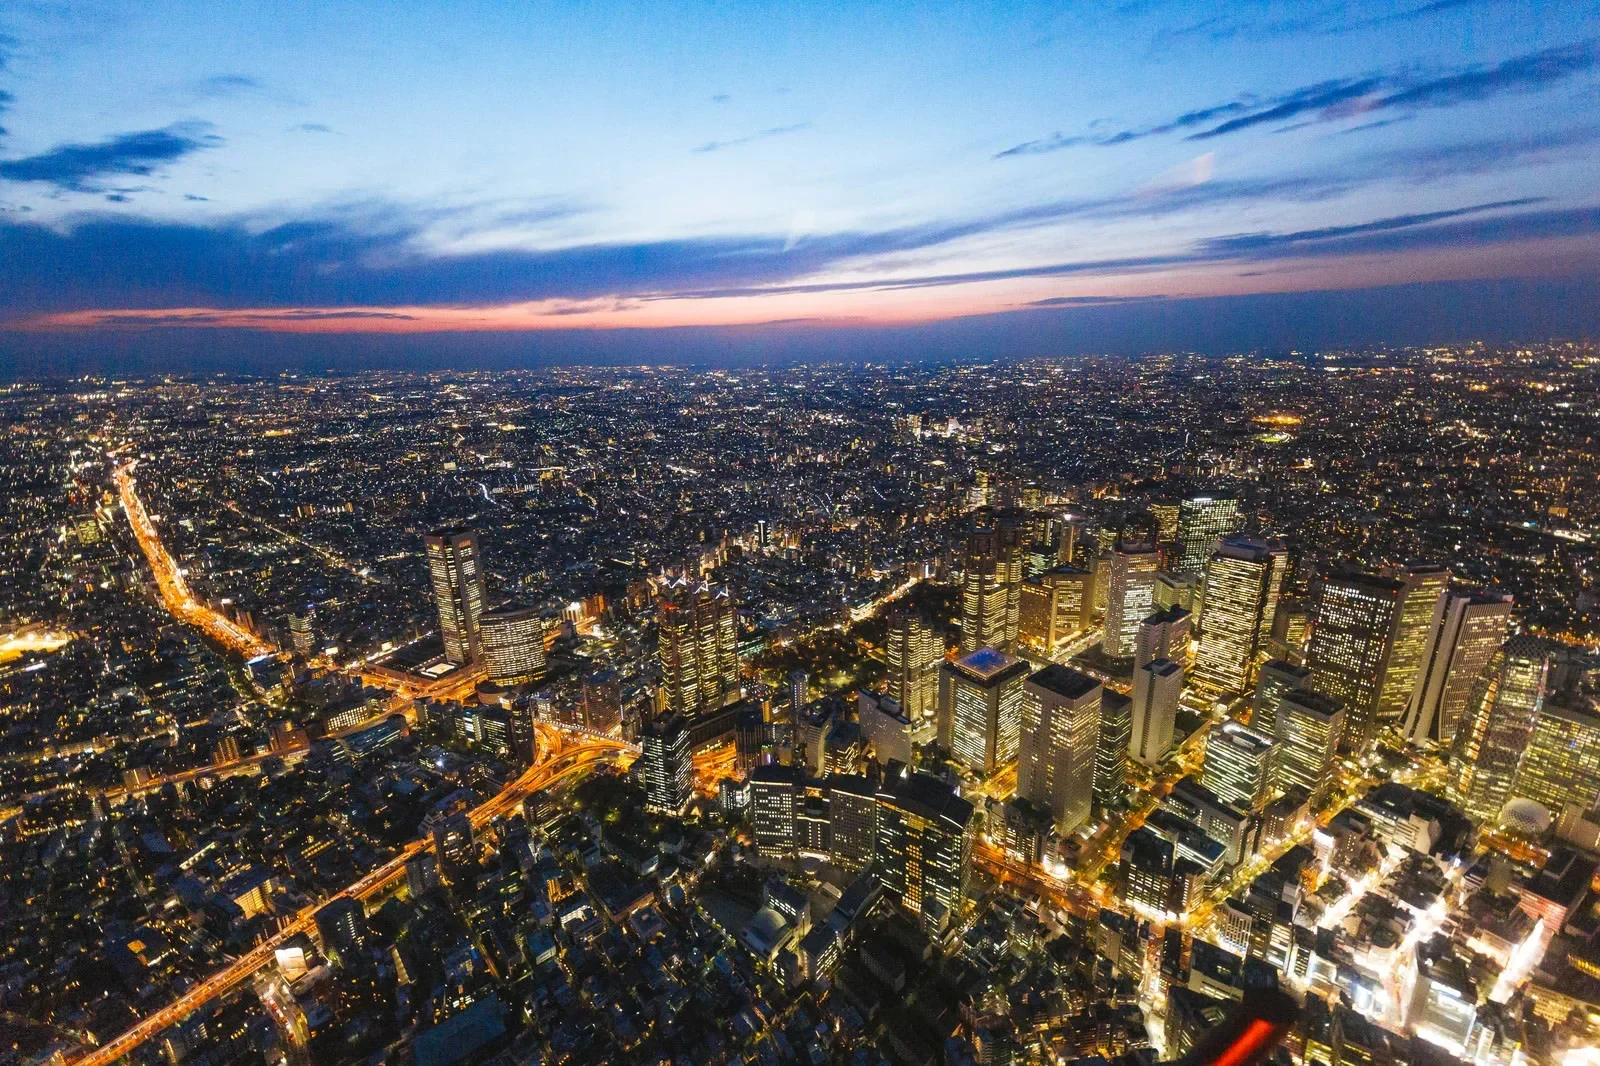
[[219, 86], [1339, 98], [311, 127], [77, 167], [1241, 243], [750, 138]]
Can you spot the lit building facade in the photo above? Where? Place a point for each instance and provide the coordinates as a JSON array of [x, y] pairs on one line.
[[991, 590], [699, 647], [980, 708], [1130, 593], [511, 641], [1276, 679], [1468, 629], [1202, 521], [913, 650], [1060, 730], [1240, 766], [1499, 725], [1561, 766], [455, 572], [1243, 576], [924, 849], [665, 757], [1310, 728]]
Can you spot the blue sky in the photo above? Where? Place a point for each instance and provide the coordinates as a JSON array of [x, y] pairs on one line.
[[338, 168]]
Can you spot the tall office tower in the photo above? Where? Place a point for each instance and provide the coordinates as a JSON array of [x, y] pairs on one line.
[[914, 649], [1202, 521], [1111, 750], [1499, 723], [799, 683], [453, 566], [991, 592], [1354, 616], [980, 708], [1243, 576], [1165, 512], [924, 849], [511, 642], [1054, 609], [602, 701], [775, 792], [1060, 730], [303, 630], [1469, 629], [1561, 767], [1130, 593], [521, 737], [665, 758], [1414, 624], [1163, 635], [699, 647], [749, 738], [1276, 679], [1310, 727], [852, 820], [342, 928], [1240, 766], [1066, 534], [1154, 712]]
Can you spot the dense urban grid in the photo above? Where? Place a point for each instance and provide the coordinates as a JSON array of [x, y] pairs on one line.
[[1028, 712]]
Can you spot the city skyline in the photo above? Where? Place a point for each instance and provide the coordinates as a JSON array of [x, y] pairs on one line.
[[472, 186]]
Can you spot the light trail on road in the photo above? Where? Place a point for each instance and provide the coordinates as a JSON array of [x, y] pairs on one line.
[[170, 582], [553, 768]]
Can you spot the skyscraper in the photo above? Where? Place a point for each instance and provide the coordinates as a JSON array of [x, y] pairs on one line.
[[665, 758], [1243, 576], [1310, 725], [457, 578], [511, 641], [799, 683], [1111, 750], [980, 708], [699, 647], [1501, 713], [1468, 629], [1154, 711], [924, 849], [1163, 635], [303, 631], [991, 591], [1202, 521], [1060, 729], [1130, 593], [1368, 641], [1054, 609], [1354, 616], [914, 649], [1276, 679], [1240, 766], [1415, 622], [1561, 765], [774, 800]]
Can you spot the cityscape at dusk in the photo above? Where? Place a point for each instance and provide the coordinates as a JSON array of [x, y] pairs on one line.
[[828, 534]]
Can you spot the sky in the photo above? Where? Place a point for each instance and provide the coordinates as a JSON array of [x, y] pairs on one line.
[[350, 183]]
